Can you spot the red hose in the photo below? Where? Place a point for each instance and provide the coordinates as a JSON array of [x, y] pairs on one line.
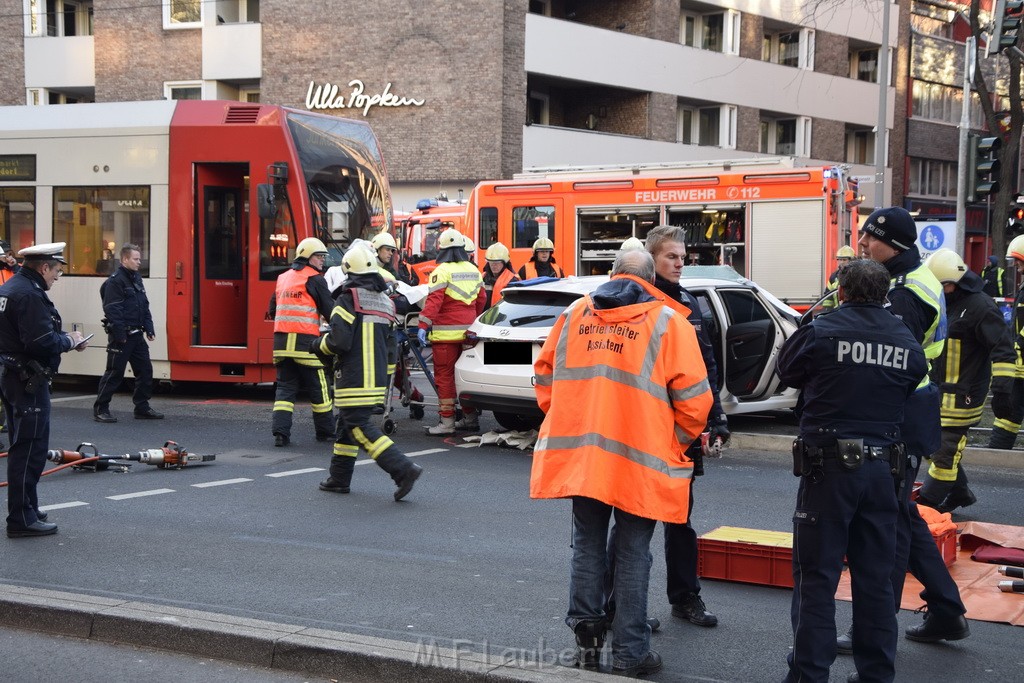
[[58, 468]]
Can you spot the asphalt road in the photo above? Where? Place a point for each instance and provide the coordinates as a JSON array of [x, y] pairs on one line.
[[468, 558]]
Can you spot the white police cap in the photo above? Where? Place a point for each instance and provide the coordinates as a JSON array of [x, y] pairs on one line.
[[45, 252]]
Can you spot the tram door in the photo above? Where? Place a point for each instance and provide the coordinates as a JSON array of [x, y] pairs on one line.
[[221, 297]]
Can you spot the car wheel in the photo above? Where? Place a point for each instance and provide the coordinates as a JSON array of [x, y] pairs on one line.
[[516, 422]]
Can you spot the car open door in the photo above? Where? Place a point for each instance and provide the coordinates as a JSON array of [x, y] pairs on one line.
[[752, 338]]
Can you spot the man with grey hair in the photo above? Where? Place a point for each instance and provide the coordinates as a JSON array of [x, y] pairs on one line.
[[850, 458], [619, 350]]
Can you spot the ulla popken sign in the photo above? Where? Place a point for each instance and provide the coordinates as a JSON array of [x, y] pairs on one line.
[[327, 96]]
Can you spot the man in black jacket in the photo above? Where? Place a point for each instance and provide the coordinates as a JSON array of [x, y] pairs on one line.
[[129, 326]]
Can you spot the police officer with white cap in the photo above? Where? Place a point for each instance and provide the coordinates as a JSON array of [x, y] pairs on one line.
[[31, 341]]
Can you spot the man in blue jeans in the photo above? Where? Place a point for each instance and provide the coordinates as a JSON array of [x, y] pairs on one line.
[[618, 351]]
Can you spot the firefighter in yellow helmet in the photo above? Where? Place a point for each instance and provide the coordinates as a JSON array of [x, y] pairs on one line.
[[498, 272], [300, 300], [542, 263], [844, 255], [360, 337], [456, 298], [978, 351], [1010, 413]]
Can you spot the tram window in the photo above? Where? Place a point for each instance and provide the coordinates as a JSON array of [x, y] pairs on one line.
[[277, 238], [531, 222], [95, 220], [18, 216], [488, 226]]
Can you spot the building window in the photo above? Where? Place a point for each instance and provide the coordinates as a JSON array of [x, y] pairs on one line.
[[719, 32], [539, 109], [860, 147], [942, 103], [183, 90], [249, 95], [789, 48], [183, 13], [864, 65], [707, 126], [786, 136], [932, 178], [96, 221], [58, 18], [18, 216], [941, 25]]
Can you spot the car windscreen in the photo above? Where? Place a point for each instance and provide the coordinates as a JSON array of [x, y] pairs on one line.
[[525, 308]]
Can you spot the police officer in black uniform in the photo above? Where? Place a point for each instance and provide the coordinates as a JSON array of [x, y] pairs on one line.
[[855, 367], [129, 326], [31, 342], [916, 297]]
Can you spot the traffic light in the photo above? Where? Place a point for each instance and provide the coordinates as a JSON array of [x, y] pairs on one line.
[[1016, 222], [983, 167], [1005, 26]]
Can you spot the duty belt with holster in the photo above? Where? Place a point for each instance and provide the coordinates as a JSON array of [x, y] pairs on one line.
[[808, 460], [29, 370]]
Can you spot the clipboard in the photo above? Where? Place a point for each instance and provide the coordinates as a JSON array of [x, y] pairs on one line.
[[84, 341]]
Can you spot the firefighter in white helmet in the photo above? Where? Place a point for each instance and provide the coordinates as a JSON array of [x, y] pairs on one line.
[[542, 262], [470, 248], [978, 352], [498, 272], [844, 255], [456, 298], [300, 299], [360, 338], [385, 246], [1010, 414]]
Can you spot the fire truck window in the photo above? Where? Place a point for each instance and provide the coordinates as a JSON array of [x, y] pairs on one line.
[[96, 221], [488, 226], [531, 222], [277, 238], [18, 216]]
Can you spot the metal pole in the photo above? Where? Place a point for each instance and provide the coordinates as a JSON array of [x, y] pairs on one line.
[[881, 139], [970, 57]]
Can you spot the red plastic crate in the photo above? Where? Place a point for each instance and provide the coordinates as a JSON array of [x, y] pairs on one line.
[[947, 546], [767, 559]]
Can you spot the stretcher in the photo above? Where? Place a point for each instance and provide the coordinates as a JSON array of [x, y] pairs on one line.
[[410, 355]]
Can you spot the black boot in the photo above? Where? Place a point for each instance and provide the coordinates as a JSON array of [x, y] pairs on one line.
[[935, 628], [1001, 439], [340, 477], [404, 472], [960, 496], [933, 491], [589, 643]]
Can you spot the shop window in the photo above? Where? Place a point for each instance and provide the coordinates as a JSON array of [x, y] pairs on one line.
[[96, 221], [531, 222], [183, 13], [18, 216]]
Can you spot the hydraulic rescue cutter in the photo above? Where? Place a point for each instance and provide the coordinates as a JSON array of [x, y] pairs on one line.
[[88, 457]]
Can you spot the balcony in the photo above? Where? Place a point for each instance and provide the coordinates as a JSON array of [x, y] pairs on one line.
[[60, 63], [232, 52], [586, 54]]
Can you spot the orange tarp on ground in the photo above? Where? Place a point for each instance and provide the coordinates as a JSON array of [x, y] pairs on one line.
[[978, 581]]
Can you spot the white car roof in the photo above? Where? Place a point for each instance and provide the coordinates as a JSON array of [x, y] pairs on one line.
[[692, 275]]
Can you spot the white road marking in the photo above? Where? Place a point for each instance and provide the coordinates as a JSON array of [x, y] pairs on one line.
[[140, 494], [61, 506], [468, 445], [291, 472], [222, 482], [427, 452]]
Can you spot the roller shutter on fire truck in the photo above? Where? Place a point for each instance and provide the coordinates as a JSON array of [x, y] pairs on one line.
[[788, 238]]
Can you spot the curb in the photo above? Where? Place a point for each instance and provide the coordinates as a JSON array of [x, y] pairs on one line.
[[975, 457], [309, 651]]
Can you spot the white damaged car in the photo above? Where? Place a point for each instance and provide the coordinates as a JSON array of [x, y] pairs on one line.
[[746, 323]]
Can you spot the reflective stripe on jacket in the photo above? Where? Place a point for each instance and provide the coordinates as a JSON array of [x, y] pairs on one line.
[[456, 298], [625, 391], [926, 287], [296, 309]]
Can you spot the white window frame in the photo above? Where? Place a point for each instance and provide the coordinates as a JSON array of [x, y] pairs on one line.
[[805, 48], [170, 86], [545, 101], [35, 97], [730, 30], [35, 18], [801, 135], [175, 25], [851, 145], [243, 93], [727, 121]]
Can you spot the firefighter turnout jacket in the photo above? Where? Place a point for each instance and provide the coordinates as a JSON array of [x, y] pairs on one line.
[[456, 298], [979, 350], [360, 336], [620, 352], [300, 300]]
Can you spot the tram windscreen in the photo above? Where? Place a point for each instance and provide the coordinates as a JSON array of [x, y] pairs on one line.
[[345, 175]]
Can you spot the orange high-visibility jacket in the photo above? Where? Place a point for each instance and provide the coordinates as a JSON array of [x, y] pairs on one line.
[[296, 309], [530, 270], [494, 291], [624, 391]]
